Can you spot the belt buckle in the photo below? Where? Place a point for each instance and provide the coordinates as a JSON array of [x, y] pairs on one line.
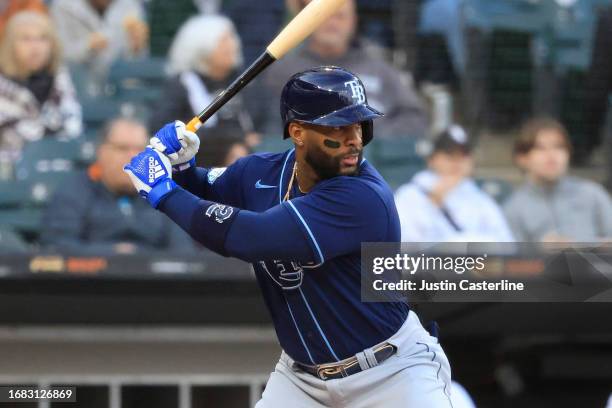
[[325, 372]]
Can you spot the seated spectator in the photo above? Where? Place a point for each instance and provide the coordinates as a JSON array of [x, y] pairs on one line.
[[443, 203], [336, 43], [95, 33], [8, 8], [200, 71], [36, 94], [552, 206], [98, 212]]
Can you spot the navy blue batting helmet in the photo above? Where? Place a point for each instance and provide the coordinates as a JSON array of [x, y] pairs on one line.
[[327, 96]]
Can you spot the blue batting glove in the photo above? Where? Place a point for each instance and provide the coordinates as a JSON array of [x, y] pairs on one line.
[[151, 174], [178, 144]]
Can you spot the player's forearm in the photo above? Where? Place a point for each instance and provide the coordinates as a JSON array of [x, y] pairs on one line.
[[193, 180], [242, 234]]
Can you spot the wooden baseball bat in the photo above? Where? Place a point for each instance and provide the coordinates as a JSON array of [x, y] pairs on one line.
[[302, 25]]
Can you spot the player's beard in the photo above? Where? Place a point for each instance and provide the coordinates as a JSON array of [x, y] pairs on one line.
[[326, 166]]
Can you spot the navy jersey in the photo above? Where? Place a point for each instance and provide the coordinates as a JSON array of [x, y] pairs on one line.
[[308, 264]]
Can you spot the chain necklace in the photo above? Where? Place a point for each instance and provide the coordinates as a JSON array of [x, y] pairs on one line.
[[290, 186]]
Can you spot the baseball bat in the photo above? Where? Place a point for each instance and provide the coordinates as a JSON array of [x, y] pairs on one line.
[[302, 25]]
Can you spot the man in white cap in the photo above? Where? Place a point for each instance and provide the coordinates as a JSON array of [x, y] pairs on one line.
[[443, 203]]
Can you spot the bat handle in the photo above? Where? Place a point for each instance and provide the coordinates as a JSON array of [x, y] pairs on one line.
[[243, 80], [194, 124]]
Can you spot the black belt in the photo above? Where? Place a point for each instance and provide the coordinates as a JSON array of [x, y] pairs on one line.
[[346, 367]]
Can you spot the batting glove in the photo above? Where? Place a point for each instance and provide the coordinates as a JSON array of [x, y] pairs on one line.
[[151, 174], [178, 144]]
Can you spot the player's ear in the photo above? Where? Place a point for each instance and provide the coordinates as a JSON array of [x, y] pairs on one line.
[[296, 131]]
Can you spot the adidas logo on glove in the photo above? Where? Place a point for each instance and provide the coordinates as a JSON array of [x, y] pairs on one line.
[[155, 169]]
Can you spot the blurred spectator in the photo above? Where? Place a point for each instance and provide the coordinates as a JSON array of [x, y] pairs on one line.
[[269, 15], [95, 33], [336, 43], [99, 212], [36, 94], [552, 206], [200, 70], [443, 203], [222, 151], [599, 86], [9, 8]]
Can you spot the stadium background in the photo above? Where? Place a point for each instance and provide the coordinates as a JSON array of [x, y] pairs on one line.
[[193, 331]]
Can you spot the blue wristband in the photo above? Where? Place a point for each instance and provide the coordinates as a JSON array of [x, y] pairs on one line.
[[159, 191]]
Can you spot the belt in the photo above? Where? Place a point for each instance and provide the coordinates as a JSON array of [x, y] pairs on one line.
[[348, 366]]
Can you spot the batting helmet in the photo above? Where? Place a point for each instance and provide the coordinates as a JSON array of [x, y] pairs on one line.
[[327, 96]]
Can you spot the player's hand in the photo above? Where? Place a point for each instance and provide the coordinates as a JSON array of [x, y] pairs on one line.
[[178, 144], [151, 174]]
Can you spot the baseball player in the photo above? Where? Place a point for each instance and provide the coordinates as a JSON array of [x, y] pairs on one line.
[[299, 217]]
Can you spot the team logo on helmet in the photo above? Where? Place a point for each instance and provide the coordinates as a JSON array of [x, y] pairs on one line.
[[357, 90]]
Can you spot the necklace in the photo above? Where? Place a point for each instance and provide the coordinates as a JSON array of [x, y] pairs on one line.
[[291, 180]]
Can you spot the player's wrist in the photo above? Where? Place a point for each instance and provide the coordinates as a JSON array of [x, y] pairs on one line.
[[177, 168], [159, 192]]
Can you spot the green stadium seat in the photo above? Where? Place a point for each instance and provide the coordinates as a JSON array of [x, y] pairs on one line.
[[11, 242], [138, 81], [273, 144], [397, 175], [52, 156], [397, 151], [14, 194], [96, 111], [143, 69], [25, 221], [397, 160]]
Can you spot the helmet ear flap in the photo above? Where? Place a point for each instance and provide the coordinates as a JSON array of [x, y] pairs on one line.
[[367, 131]]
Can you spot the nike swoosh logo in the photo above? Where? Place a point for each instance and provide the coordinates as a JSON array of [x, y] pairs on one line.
[[259, 185]]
